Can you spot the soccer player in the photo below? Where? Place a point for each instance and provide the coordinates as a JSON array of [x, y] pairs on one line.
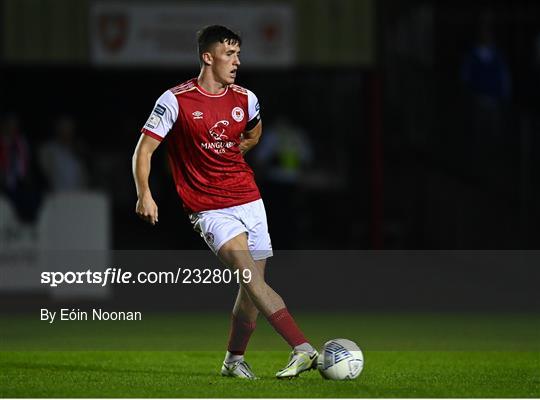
[[210, 123]]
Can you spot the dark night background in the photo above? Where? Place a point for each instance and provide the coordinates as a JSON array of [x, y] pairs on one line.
[[419, 148]]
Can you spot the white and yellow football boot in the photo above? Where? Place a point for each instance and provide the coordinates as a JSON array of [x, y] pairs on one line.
[[238, 369], [299, 361]]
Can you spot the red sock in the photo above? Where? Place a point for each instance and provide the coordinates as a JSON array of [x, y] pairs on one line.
[[239, 336], [284, 324]]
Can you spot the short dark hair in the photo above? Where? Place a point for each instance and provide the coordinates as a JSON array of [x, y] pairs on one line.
[[213, 34]]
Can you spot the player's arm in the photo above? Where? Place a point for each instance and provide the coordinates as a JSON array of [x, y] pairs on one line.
[[250, 138], [253, 129], [154, 131], [146, 207]]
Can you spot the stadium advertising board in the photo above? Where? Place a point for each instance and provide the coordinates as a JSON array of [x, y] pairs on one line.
[[161, 34]]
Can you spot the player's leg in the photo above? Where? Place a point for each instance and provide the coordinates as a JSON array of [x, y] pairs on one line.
[[235, 254], [243, 306], [243, 323], [225, 232]]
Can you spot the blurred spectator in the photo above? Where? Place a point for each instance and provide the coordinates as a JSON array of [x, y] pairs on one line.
[[60, 160], [283, 152], [484, 69], [16, 178], [487, 79], [14, 154], [282, 158]]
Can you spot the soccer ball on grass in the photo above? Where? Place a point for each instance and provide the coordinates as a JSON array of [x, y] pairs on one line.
[[340, 359]]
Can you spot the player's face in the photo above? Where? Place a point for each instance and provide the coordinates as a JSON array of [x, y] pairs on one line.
[[225, 62]]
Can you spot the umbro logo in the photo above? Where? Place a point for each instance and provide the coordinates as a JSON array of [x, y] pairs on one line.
[[197, 115]]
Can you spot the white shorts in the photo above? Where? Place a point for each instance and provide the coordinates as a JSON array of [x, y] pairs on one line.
[[219, 226]]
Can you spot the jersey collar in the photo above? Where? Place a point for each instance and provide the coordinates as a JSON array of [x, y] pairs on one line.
[[204, 92]]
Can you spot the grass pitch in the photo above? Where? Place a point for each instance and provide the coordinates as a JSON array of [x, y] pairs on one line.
[[180, 356]]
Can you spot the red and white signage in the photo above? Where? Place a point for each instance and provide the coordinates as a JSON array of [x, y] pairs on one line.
[[164, 34]]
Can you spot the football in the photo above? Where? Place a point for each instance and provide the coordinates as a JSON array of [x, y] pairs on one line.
[[340, 359]]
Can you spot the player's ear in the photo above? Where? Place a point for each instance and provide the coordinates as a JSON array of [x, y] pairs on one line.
[[206, 58]]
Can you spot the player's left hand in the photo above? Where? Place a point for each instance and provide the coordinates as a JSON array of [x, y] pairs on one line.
[[243, 148]]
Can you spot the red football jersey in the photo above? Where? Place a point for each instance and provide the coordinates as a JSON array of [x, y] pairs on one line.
[[203, 133]]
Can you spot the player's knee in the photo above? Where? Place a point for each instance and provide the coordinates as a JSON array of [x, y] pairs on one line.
[[237, 259], [255, 287]]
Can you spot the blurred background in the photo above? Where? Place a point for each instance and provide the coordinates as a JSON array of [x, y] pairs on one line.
[[387, 124]]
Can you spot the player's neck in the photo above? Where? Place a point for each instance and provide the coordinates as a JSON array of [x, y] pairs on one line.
[[209, 84]]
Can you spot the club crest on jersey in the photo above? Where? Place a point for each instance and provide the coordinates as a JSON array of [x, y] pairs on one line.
[[218, 130], [197, 114], [237, 114], [209, 238]]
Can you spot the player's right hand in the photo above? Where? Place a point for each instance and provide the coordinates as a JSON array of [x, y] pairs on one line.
[[146, 209]]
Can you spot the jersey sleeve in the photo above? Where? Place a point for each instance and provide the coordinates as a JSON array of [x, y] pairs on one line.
[[163, 116], [254, 111]]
